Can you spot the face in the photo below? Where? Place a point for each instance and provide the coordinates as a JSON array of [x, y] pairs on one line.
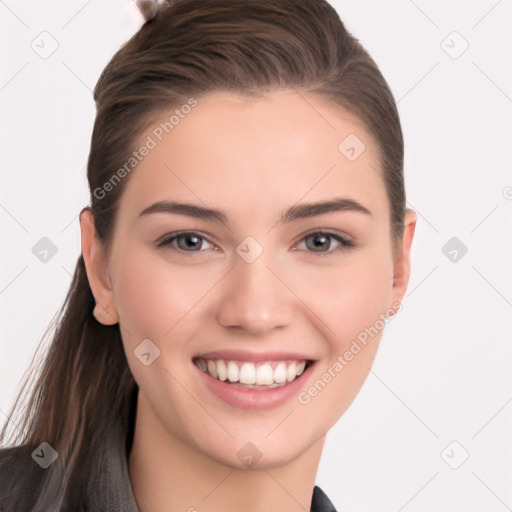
[[287, 297]]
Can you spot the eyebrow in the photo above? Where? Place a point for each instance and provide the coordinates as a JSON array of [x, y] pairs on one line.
[[301, 211]]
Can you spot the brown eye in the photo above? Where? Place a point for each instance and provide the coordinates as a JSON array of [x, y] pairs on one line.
[[319, 243], [189, 242], [185, 242]]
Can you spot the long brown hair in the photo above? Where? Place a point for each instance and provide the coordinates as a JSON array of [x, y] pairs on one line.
[[83, 401]]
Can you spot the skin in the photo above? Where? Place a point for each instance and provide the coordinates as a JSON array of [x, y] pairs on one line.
[[252, 159]]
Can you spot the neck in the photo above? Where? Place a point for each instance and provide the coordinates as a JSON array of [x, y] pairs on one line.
[[168, 474]]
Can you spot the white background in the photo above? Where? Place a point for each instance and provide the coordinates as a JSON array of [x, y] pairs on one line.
[[443, 371]]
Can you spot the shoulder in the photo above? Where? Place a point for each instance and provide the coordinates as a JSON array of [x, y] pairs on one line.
[[21, 478], [320, 501]]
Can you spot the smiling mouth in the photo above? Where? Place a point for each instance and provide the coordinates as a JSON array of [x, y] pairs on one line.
[[248, 374]]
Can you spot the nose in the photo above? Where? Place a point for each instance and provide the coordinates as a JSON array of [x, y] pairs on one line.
[[254, 298]]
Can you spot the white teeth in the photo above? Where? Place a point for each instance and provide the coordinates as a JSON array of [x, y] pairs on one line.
[[222, 371], [291, 372], [264, 375], [247, 374], [252, 375], [280, 372], [233, 372], [212, 369]]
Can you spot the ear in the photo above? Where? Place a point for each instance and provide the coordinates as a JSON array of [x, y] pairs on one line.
[[96, 267], [402, 264]]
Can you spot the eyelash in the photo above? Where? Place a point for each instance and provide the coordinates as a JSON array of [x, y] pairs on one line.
[[345, 243]]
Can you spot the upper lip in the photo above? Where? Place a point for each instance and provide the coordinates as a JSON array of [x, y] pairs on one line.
[[244, 355]]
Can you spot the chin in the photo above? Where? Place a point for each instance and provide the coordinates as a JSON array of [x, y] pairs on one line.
[[257, 452]]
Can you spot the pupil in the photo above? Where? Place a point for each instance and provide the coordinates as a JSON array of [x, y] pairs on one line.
[[319, 241], [195, 241]]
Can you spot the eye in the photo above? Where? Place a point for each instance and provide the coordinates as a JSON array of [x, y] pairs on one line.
[[186, 241], [317, 241]]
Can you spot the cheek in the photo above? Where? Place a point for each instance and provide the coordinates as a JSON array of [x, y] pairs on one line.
[[365, 296], [352, 303], [160, 302], [153, 296], [347, 297]]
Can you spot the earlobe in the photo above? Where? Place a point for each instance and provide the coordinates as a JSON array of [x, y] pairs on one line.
[[402, 265], [104, 316], [94, 259]]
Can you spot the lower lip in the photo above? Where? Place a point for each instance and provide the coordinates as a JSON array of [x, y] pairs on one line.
[[253, 398]]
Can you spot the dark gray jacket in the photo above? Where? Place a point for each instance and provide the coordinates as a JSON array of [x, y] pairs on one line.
[[22, 478]]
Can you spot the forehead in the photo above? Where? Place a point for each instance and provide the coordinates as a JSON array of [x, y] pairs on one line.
[[255, 154]]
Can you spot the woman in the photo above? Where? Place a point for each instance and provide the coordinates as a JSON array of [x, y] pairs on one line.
[[246, 242]]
